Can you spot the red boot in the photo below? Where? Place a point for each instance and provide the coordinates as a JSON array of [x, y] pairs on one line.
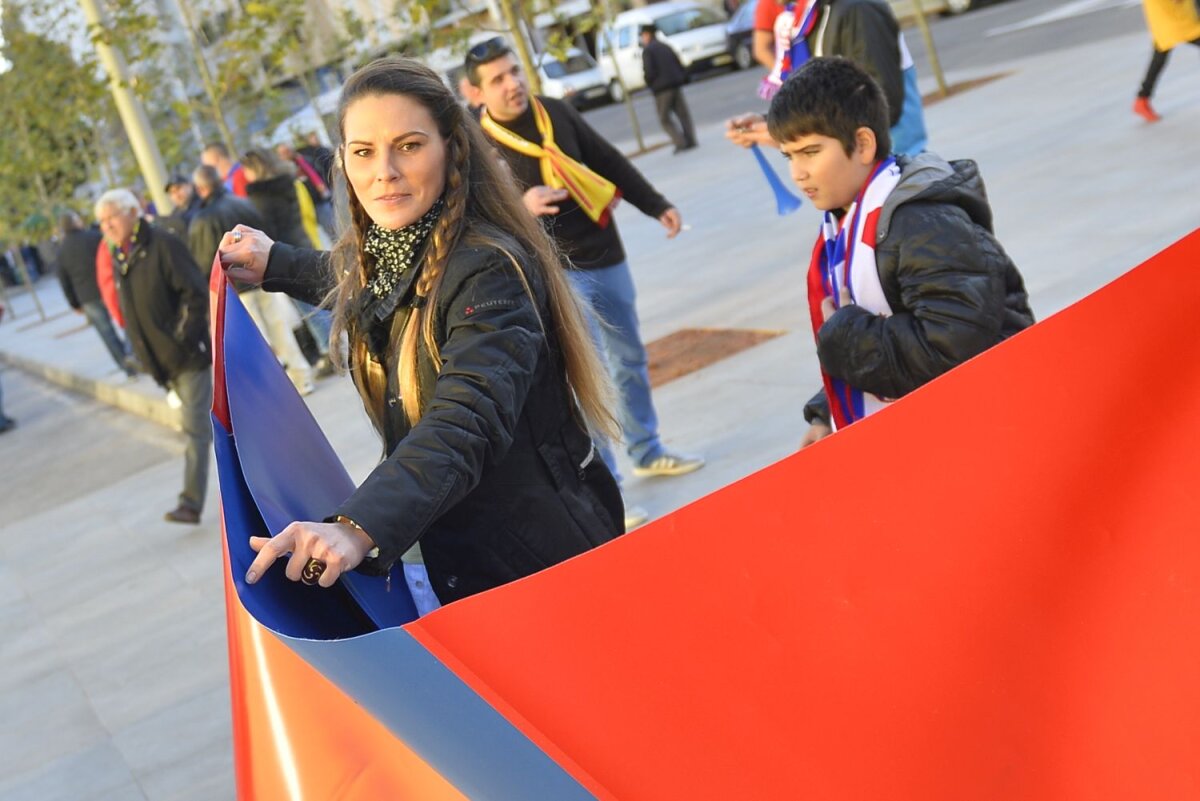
[[1143, 109]]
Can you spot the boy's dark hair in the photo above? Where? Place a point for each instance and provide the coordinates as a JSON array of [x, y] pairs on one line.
[[831, 97], [484, 53]]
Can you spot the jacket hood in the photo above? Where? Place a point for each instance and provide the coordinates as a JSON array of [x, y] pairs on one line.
[[930, 178]]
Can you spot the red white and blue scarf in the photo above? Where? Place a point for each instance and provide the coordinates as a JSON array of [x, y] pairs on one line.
[[792, 27], [844, 256]]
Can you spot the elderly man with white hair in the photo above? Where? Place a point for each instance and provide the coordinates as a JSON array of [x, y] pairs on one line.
[[165, 304]]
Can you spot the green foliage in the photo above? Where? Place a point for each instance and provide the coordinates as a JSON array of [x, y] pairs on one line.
[[49, 107]]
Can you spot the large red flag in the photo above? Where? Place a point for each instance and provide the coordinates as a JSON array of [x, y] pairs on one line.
[[988, 590]]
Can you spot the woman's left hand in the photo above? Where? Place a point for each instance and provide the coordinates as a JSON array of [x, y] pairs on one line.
[[339, 546]]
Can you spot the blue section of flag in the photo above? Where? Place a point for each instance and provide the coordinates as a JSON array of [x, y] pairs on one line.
[[292, 474]]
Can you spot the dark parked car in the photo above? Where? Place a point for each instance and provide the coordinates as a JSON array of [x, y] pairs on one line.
[[739, 35]]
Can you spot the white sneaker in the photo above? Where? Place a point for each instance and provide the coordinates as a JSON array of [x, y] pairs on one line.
[[669, 464], [635, 516]]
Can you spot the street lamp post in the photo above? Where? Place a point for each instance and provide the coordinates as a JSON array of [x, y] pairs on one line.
[[133, 116]]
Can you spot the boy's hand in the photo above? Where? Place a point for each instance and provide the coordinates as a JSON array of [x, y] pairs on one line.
[[827, 307], [817, 430]]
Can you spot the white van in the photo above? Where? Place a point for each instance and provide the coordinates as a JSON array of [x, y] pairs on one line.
[[576, 78], [695, 32]]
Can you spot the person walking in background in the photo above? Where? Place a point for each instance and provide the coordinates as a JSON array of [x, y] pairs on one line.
[[77, 274], [165, 302], [666, 76], [1171, 23], [541, 139]]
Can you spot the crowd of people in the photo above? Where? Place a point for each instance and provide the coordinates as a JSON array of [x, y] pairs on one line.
[[482, 300]]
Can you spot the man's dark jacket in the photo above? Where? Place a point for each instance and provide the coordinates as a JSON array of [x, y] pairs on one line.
[[499, 478], [177, 222], [77, 267], [867, 33], [586, 244], [662, 67], [164, 301], [952, 289], [216, 214]]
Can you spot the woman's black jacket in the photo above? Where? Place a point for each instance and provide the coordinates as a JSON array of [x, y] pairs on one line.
[[499, 478]]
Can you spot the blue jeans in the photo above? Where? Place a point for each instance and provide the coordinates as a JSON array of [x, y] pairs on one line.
[[610, 293], [318, 321], [195, 391], [97, 314]]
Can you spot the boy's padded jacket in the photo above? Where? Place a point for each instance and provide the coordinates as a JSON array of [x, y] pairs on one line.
[[953, 290]]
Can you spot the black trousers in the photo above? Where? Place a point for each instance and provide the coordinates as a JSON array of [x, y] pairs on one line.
[[670, 103], [1157, 61]]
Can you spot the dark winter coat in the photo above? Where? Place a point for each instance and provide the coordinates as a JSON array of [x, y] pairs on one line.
[[498, 479], [952, 289], [662, 67], [77, 267], [177, 221], [215, 215], [867, 33], [279, 206], [164, 301]]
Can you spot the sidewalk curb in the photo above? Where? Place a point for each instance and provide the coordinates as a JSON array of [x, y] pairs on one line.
[[153, 409]]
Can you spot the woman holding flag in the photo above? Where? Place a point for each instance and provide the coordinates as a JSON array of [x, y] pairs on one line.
[[467, 345]]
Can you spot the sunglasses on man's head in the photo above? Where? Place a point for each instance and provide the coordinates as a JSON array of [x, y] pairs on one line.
[[486, 51]]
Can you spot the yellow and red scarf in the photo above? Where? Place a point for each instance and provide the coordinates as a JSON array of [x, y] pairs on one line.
[[594, 193]]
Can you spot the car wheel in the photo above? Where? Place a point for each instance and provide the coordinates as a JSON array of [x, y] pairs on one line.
[[615, 92], [957, 6], [743, 56]]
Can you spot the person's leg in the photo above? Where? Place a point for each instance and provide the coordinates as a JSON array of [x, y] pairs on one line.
[[275, 320], [685, 118], [586, 289], [6, 422], [97, 314], [662, 102], [195, 391], [614, 298], [1157, 61]]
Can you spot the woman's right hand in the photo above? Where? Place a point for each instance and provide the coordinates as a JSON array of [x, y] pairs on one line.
[[244, 252]]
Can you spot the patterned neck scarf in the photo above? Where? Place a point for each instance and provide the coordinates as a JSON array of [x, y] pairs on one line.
[[396, 251]]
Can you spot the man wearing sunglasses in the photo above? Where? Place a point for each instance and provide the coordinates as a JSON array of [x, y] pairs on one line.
[[572, 179]]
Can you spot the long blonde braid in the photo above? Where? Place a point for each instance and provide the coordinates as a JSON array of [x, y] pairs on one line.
[[443, 239]]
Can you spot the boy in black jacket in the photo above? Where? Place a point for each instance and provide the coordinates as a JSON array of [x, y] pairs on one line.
[[906, 279]]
